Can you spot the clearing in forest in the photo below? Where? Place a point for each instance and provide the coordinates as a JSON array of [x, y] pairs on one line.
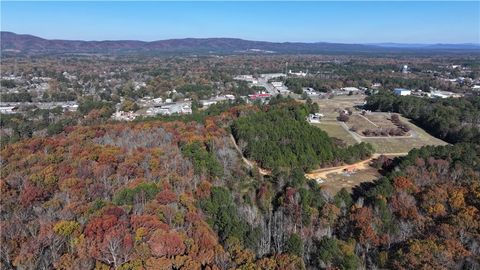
[[348, 176]]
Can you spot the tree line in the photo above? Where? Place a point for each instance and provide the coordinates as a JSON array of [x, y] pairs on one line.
[[452, 119], [279, 137]]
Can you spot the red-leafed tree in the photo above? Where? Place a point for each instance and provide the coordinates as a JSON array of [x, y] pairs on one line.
[[166, 196], [166, 243], [109, 238]]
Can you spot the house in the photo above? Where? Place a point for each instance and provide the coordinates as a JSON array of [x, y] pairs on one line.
[[310, 92], [314, 118], [8, 109], [402, 92], [215, 100], [277, 84], [350, 89], [158, 100], [208, 102], [72, 107]]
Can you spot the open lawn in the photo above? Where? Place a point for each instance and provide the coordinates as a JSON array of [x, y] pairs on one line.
[[335, 130], [360, 123], [382, 145], [418, 139], [394, 145], [382, 120]]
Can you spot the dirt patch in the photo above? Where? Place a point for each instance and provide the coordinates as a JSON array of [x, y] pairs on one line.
[[334, 182]]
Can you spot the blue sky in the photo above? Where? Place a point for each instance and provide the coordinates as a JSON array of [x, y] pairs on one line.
[[348, 22]]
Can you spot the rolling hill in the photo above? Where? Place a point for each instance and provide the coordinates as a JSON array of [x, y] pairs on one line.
[[29, 44]]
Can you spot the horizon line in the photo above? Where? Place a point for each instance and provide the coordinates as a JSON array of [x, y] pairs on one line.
[[246, 39]]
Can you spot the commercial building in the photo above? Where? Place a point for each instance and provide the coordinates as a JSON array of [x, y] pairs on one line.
[[350, 89], [402, 92]]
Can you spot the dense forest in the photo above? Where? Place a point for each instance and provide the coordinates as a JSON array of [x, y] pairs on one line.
[[279, 137], [296, 84], [453, 119], [157, 194]]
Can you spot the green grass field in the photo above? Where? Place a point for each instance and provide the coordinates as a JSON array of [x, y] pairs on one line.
[[335, 130]]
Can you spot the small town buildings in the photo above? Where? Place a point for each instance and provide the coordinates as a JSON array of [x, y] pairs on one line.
[[298, 74], [248, 78], [217, 99], [402, 92], [124, 116]]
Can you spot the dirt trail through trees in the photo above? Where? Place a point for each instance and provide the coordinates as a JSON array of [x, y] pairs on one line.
[[249, 163]]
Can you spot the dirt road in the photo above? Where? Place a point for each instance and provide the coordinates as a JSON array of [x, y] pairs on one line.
[[249, 163], [361, 165]]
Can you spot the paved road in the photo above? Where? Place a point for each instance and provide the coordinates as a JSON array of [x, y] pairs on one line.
[[269, 88]]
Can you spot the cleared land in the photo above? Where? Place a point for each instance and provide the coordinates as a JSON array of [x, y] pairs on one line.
[[334, 182], [381, 120], [360, 122], [335, 130], [348, 176], [331, 107], [382, 145]]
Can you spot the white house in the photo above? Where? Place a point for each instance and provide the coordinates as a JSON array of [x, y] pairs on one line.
[[348, 89], [310, 91], [277, 84], [314, 118], [402, 92], [7, 109]]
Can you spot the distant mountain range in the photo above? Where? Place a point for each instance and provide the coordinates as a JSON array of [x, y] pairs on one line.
[[28, 44]]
